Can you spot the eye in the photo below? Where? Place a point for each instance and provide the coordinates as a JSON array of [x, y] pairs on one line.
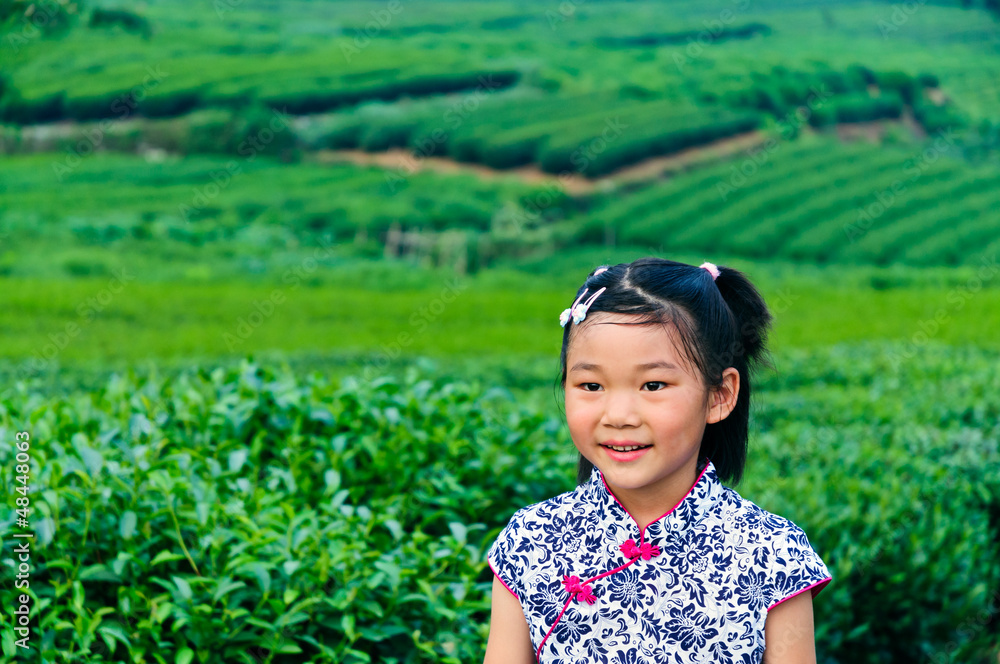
[[656, 382], [584, 386]]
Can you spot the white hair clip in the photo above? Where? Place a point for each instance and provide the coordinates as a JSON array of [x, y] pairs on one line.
[[579, 311]]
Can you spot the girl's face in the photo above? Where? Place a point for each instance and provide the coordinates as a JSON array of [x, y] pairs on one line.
[[630, 386]]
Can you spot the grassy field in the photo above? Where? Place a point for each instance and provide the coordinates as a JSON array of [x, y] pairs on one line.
[[332, 315]]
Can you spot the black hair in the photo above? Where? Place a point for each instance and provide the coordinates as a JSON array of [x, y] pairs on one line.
[[721, 323]]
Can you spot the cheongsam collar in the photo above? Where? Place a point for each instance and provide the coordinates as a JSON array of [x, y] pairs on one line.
[[703, 496]]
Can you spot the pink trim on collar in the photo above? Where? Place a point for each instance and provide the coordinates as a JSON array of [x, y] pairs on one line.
[[642, 531]]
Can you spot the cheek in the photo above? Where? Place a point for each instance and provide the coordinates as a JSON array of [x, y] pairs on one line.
[[674, 417], [574, 419], [579, 418]]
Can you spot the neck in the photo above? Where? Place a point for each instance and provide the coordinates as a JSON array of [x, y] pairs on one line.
[[650, 504]]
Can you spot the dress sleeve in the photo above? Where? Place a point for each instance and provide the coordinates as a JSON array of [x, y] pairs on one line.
[[503, 557], [796, 567]]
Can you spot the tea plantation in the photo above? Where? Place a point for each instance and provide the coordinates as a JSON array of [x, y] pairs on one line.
[[279, 288]]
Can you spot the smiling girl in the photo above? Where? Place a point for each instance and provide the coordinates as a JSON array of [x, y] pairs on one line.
[[651, 558]]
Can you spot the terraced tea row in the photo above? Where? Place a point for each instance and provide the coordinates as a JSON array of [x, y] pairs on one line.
[[817, 200]]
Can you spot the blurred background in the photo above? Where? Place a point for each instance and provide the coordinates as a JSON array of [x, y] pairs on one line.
[[280, 286]]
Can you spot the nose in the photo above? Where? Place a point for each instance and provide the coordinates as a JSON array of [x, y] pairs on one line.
[[620, 410]]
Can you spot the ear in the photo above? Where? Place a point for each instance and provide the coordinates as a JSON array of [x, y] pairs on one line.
[[722, 399]]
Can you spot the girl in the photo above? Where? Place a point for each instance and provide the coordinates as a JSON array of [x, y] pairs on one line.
[[651, 558]]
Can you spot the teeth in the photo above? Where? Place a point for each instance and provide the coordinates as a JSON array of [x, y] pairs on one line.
[[627, 449]]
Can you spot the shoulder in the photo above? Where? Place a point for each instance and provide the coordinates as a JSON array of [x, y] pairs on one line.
[[750, 517], [773, 541], [781, 550], [538, 514], [529, 526], [525, 542]]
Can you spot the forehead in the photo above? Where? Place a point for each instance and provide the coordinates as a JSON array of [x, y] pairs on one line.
[[610, 340]]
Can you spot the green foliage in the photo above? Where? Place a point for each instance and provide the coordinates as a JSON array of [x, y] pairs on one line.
[[128, 21], [858, 107], [20, 19], [886, 475], [252, 514], [705, 35], [857, 94], [935, 118], [907, 87]]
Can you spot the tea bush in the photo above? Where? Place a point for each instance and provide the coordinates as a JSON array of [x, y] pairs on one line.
[[253, 515]]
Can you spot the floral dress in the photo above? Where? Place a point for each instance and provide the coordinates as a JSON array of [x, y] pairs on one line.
[[694, 586]]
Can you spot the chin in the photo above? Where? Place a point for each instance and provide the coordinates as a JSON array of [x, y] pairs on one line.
[[627, 479]]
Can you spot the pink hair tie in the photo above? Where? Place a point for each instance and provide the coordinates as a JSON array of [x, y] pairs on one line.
[[712, 269]]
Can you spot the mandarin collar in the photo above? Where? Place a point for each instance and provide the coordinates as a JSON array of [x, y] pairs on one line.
[[701, 498]]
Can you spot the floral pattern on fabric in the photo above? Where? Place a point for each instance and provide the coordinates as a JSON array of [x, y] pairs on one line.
[[694, 587]]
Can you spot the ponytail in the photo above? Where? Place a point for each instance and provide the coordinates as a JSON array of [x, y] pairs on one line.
[[725, 441]]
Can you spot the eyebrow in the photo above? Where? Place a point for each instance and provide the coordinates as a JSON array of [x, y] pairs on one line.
[[659, 364]]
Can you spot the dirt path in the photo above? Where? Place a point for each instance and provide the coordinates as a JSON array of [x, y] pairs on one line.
[[575, 184]]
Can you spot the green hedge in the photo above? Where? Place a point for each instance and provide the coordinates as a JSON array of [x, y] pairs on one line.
[[103, 97], [935, 118], [702, 35], [858, 107], [647, 137]]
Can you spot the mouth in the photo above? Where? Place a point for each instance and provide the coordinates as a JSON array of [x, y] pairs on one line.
[[623, 453], [625, 448]]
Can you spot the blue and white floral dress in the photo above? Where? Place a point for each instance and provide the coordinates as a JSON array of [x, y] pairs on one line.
[[694, 586]]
